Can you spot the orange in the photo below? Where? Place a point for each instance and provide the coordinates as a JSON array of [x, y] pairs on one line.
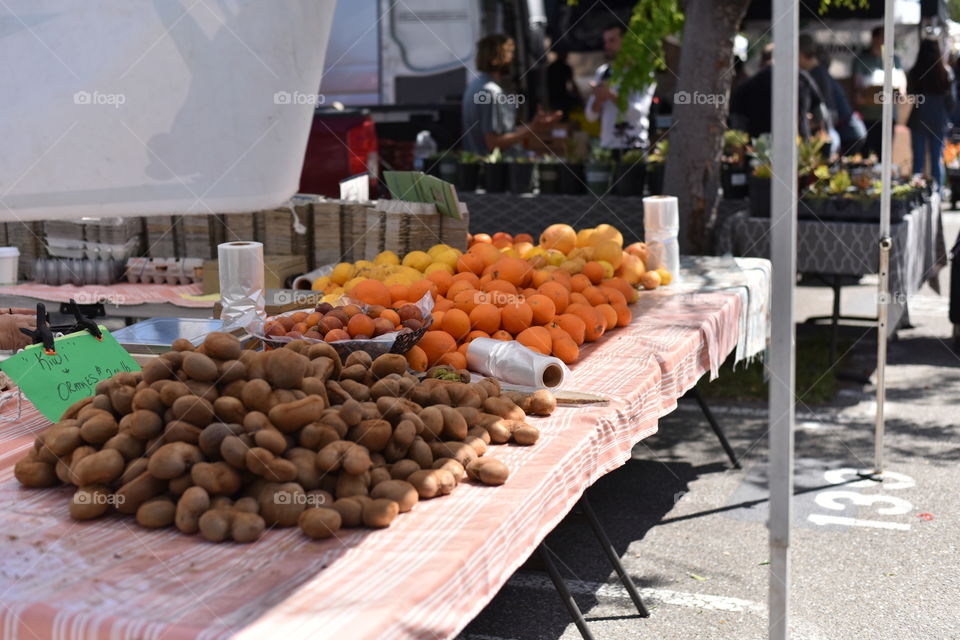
[[516, 317], [501, 286], [558, 293], [650, 279], [622, 286], [541, 277], [561, 237], [371, 291], [594, 271], [613, 295], [536, 338], [523, 237], [485, 317], [501, 335], [594, 322], [502, 243], [420, 288], [442, 279], [463, 348], [473, 335], [594, 296], [453, 359], [470, 262], [503, 235], [442, 304], [398, 292], [573, 325], [391, 315], [566, 349], [416, 359], [472, 278], [514, 270], [466, 300], [556, 332], [579, 282], [624, 316], [336, 334], [457, 323], [458, 286], [437, 319], [543, 308], [435, 344], [486, 252], [482, 237], [361, 325], [609, 315], [608, 251], [578, 298]]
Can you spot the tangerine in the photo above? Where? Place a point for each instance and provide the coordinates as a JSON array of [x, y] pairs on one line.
[[416, 359], [536, 338], [457, 323], [543, 308], [485, 317], [516, 317], [574, 326], [435, 344]]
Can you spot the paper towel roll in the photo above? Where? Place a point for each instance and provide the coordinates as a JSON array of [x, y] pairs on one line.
[[241, 285], [510, 361], [661, 225]]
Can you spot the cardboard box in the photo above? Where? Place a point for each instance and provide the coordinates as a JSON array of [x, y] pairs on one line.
[[277, 270]]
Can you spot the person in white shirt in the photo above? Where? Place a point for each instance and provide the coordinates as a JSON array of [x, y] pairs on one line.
[[618, 129]]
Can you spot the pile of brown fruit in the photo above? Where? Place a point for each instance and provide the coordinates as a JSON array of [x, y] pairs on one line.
[[344, 322], [226, 442]]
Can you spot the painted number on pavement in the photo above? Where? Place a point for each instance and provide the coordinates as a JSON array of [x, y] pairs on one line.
[[838, 500]]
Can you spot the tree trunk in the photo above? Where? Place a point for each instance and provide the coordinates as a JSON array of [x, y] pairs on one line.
[[700, 108]]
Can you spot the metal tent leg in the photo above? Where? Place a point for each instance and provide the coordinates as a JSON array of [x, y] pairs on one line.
[[561, 587], [717, 429], [608, 549]]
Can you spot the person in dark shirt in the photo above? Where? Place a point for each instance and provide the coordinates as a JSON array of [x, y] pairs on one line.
[[930, 91], [750, 105], [848, 125], [561, 89]]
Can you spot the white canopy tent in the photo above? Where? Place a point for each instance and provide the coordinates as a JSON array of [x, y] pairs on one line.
[[783, 250], [120, 108]]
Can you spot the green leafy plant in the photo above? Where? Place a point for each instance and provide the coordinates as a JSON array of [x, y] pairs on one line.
[[839, 183], [810, 155], [469, 157], [735, 143], [599, 155], [760, 158], [641, 54], [658, 155], [495, 157], [632, 156]]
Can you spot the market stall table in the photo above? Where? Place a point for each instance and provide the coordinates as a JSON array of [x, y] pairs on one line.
[[426, 576]]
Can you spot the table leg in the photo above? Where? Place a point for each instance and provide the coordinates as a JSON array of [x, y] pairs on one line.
[[608, 549], [717, 429], [561, 587]]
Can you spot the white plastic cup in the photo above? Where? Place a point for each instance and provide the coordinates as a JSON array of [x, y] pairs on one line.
[[9, 264]]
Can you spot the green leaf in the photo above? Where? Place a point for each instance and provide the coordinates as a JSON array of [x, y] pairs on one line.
[[700, 578]]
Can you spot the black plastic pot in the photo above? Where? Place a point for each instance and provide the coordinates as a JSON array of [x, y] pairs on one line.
[[813, 208], [759, 197], [598, 177], [735, 182], [468, 176], [448, 170], [548, 175], [655, 178], [571, 179], [521, 177], [631, 178], [495, 177]]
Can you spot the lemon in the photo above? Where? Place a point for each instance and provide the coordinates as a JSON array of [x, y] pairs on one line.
[[439, 266], [555, 258], [535, 251], [665, 276], [343, 272], [510, 251], [322, 284], [387, 258], [363, 264], [351, 283], [332, 297], [607, 269], [395, 278], [418, 260], [447, 256], [437, 249]]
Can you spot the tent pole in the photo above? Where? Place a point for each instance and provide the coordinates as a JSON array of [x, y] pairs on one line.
[[885, 242], [783, 250]]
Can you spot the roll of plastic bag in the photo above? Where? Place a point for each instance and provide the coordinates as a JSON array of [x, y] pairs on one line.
[[512, 362], [661, 225], [242, 295]]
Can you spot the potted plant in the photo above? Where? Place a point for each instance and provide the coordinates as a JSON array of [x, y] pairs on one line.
[[468, 171], [599, 171], [655, 162], [548, 174], [519, 174], [734, 170], [760, 176], [495, 173], [631, 173], [814, 203]]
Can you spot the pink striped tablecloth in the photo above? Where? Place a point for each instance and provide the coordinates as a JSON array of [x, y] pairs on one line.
[[120, 294], [425, 577]]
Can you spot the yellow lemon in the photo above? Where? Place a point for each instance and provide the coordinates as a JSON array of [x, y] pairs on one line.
[[535, 251], [418, 260], [437, 249], [510, 251], [363, 264], [343, 272], [447, 256], [607, 269], [350, 284], [665, 276], [438, 266], [322, 283], [555, 258], [386, 257]]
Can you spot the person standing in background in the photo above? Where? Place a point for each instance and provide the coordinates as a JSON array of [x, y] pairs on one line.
[[618, 129], [846, 123], [930, 91], [868, 86], [561, 89], [489, 114]]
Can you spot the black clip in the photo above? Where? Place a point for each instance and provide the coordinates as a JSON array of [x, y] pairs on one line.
[[83, 323], [43, 334]]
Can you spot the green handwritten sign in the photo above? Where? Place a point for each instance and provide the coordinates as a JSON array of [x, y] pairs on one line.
[[54, 382]]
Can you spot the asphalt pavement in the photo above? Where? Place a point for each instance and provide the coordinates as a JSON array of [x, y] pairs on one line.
[[868, 560]]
